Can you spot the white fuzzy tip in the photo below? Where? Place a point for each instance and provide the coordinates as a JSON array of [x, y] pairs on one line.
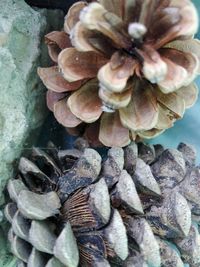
[[89, 15], [137, 30]]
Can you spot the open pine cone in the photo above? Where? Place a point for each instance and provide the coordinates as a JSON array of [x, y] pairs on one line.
[[139, 206], [126, 68]]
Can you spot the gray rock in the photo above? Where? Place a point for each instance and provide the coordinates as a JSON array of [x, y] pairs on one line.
[[22, 101]]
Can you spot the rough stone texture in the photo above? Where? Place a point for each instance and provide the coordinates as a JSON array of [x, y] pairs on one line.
[[22, 98]]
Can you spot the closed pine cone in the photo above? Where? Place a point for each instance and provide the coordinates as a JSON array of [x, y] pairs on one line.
[[137, 206]]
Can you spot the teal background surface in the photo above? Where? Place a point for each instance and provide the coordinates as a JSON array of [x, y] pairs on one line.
[[188, 129]]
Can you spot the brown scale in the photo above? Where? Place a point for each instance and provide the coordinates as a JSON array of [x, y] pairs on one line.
[[77, 211]]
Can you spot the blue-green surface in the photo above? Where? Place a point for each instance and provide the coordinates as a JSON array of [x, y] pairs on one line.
[[188, 129]]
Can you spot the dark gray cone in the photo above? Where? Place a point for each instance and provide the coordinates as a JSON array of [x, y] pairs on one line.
[[137, 207]]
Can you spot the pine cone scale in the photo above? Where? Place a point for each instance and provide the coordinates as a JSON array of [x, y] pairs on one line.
[[111, 219]]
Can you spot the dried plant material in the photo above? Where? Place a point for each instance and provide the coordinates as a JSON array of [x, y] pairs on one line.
[[142, 112], [100, 200], [189, 94], [88, 166], [76, 66], [53, 262], [135, 261], [140, 231], [190, 247], [36, 259], [189, 153], [10, 235], [103, 263], [113, 166], [56, 42], [20, 248], [41, 236], [116, 236], [66, 249], [10, 210], [83, 209], [21, 264], [88, 208], [130, 158], [115, 100], [81, 144], [189, 187], [64, 116], [27, 167], [69, 157], [73, 16], [14, 188], [170, 169], [44, 158], [146, 152], [159, 149], [149, 134], [89, 107], [144, 57], [112, 133], [144, 179], [173, 218], [92, 248], [38, 207], [21, 226], [125, 194], [53, 80], [169, 254], [52, 98]]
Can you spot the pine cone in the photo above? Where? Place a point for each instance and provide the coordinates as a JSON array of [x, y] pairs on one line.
[[73, 208], [130, 63]]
